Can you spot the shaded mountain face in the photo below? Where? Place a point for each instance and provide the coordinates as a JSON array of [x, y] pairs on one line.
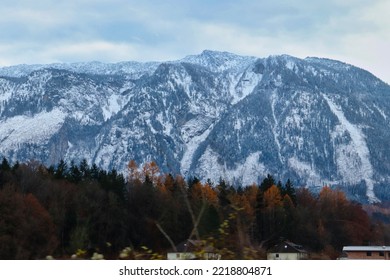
[[214, 115]]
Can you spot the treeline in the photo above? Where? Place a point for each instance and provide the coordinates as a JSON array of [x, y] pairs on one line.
[[80, 209]]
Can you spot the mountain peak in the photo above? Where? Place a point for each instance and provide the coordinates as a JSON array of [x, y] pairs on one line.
[[219, 61]]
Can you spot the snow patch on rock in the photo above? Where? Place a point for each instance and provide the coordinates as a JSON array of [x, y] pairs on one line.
[[37, 129], [247, 173], [353, 155]]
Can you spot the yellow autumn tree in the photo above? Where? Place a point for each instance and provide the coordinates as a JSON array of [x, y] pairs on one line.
[[273, 198], [151, 170], [210, 195], [133, 171]]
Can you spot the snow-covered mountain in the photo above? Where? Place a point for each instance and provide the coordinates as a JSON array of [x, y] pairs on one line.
[[217, 114]]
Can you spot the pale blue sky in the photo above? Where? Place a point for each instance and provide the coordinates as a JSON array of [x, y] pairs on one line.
[[43, 31]]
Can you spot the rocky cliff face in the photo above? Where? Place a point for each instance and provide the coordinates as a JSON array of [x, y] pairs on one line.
[[315, 121]]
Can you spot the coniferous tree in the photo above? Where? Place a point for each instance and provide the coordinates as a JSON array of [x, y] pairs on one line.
[[290, 191], [268, 182], [5, 166], [223, 193], [94, 172], [61, 171], [74, 174], [15, 166], [84, 169]]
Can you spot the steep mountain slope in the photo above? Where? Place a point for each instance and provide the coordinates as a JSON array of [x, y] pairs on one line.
[[211, 115]]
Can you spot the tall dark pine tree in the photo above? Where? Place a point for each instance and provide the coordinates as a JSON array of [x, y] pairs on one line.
[[74, 173], [223, 191], [268, 182], [84, 169], [260, 229], [5, 165], [290, 191], [62, 170]]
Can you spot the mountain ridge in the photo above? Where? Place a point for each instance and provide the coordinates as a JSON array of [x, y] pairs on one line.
[[216, 114]]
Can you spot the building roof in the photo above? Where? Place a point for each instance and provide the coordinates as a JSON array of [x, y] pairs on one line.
[[191, 245], [287, 247], [365, 248]]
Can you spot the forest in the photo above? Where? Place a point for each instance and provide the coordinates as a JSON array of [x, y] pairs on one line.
[[80, 211]]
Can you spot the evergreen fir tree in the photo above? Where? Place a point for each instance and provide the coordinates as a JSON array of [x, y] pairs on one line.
[[290, 191], [268, 182], [5, 166], [62, 170]]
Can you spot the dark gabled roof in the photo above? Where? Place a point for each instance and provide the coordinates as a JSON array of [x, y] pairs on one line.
[[186, 246], [287, 247], [191, 245]]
